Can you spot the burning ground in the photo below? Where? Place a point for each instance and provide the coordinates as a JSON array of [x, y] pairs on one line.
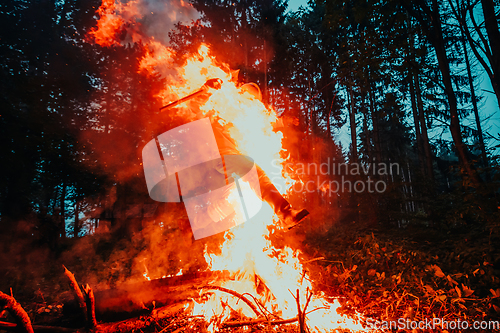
[[383, 276]]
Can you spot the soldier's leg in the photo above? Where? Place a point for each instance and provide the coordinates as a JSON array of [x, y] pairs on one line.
[[269, 193]]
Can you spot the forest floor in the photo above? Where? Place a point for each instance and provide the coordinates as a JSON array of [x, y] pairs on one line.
[[413, 274], [399, 275]]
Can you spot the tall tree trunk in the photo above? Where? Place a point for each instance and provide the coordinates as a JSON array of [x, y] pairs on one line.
[[437, 41], [416, 119], [375, 119], [423, 128], [61, 218], [430, 21], [474, 104], [76, 228], [416, 122], [353, 203], [484, 46], [418, 134], [352, 120], [328, 124], [491, 25], [365, 130]]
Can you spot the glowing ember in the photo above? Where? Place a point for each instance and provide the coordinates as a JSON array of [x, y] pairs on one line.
[[147, 277], [246, 252]]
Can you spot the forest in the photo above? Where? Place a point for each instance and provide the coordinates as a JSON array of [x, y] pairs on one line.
[[388, 133]]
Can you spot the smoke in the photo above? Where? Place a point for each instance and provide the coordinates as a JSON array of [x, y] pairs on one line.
[[20, 255], [159, 17], [157, 246], [136, 20], [127, 244]]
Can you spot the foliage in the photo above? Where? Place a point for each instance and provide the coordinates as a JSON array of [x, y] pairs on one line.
[[417, 275]]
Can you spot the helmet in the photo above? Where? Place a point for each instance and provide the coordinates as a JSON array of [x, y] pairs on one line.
[[253, 89]]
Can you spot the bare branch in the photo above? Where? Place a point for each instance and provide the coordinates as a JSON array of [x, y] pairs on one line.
[[259, 321], [240, 296], [17, 311], [486, 49]]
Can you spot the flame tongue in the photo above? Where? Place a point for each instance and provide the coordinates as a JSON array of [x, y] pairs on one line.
[[271, 276]]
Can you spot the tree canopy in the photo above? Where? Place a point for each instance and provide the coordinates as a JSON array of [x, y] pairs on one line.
[[360, 81]]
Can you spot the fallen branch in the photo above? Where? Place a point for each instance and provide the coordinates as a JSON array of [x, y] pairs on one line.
[[17, 311], [77, 292], [128, 300], [261, 307], [169, 325], [37, 328], [314, 259], [258, 321], [240, 296]]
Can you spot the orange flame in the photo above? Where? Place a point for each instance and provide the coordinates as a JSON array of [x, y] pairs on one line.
[[247, 251], [108, 25]]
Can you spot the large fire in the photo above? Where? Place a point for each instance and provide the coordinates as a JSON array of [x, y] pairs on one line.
[[247, 252]]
